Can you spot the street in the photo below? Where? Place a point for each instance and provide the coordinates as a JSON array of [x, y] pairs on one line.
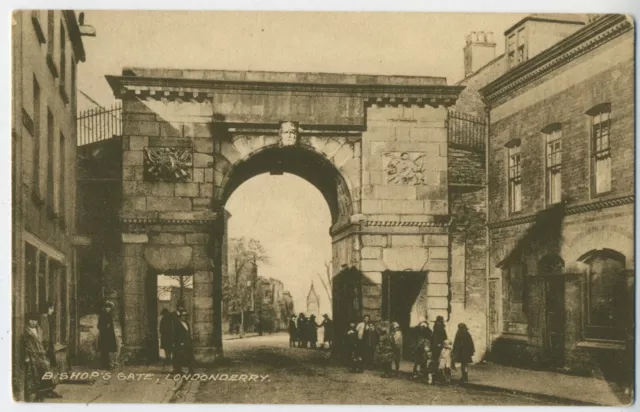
[[305, 376]]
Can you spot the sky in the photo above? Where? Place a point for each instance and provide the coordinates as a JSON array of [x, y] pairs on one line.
[[263, 208], [267, 208], [428, 44]]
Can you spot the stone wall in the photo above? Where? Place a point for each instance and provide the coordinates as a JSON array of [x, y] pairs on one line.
[[381, 164], [404, 192], [468, 265]]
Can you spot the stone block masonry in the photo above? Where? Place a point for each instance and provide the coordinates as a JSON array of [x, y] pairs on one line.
[[385, 159]]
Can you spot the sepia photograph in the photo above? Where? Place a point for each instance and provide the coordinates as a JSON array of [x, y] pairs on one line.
[[336, 208]]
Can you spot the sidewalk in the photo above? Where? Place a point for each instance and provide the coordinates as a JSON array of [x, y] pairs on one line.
[[125, 385], [549, 385], [236, 336]]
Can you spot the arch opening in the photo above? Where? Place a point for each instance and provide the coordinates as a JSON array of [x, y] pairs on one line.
[[299, 265], [304, 163]]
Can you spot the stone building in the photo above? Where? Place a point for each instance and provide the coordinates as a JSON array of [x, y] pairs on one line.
[[272, 307], [394, 164], [561, 190], [46, 49]]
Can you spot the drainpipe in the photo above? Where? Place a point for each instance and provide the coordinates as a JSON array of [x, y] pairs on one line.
[[487, 233]]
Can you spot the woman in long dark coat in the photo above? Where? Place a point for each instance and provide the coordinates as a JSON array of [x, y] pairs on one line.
[[312, 328], [166, 334], [107, 337], [438, 337], [36, 363], [463, 350], [303, 335]]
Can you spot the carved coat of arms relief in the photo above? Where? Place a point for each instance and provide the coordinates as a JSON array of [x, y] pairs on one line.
[[404, 168], [168, 164]]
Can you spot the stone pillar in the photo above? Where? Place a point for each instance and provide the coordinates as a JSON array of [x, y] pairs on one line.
[[219, 243], [203, 315], [133, 294]]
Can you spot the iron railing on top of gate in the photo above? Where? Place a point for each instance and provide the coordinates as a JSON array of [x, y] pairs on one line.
[[466, 131], [100, 123]]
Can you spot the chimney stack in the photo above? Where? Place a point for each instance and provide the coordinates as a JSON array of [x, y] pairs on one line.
[[479, 50]]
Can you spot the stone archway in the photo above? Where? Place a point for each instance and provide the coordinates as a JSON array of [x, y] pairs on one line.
[[375, 146]]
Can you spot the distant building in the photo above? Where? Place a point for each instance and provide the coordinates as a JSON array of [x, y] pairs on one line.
[[313, 302], [46, 48]]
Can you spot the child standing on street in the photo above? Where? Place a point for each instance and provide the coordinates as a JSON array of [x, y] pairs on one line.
[[354, 358], [444, 364], [384, 349], [463, 350], [396, 344], [423, 360]]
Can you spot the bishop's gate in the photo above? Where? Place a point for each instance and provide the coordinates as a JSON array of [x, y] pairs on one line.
[[376, 147]]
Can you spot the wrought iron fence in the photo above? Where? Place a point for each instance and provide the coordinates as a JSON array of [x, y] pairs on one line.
[[99, 123], [466, 131]]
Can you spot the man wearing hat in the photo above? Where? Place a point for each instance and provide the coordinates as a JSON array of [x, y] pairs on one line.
[[183, 345], [107, 335], [293, 338], [327, 324]]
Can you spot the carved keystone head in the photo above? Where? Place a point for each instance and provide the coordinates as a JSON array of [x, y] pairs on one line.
[[288, 133]]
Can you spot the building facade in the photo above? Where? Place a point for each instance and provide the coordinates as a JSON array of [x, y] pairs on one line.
[[561, 195], [47, 47]]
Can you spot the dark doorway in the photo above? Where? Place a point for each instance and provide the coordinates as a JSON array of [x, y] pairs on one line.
[[554, 319], [400, 290]]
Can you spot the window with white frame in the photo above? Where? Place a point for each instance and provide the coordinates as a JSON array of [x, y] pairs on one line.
[[514, 161], [553, 163], [600, 119]]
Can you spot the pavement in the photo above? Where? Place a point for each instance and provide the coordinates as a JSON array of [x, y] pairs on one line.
[[580, 390], [306, 376], [128, 384], [558, 387]]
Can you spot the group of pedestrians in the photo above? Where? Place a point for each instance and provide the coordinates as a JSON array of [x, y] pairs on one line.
[[303, 331], [176, 340], [380, 346]]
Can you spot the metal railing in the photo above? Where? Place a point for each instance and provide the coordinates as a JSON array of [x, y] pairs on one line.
[[466, 131], [101, 123]]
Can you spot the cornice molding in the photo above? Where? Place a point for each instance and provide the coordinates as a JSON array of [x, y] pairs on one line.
[[581, 42], [200, 90], [141, 224], [393, 223], [152, 221], [571, 210]]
